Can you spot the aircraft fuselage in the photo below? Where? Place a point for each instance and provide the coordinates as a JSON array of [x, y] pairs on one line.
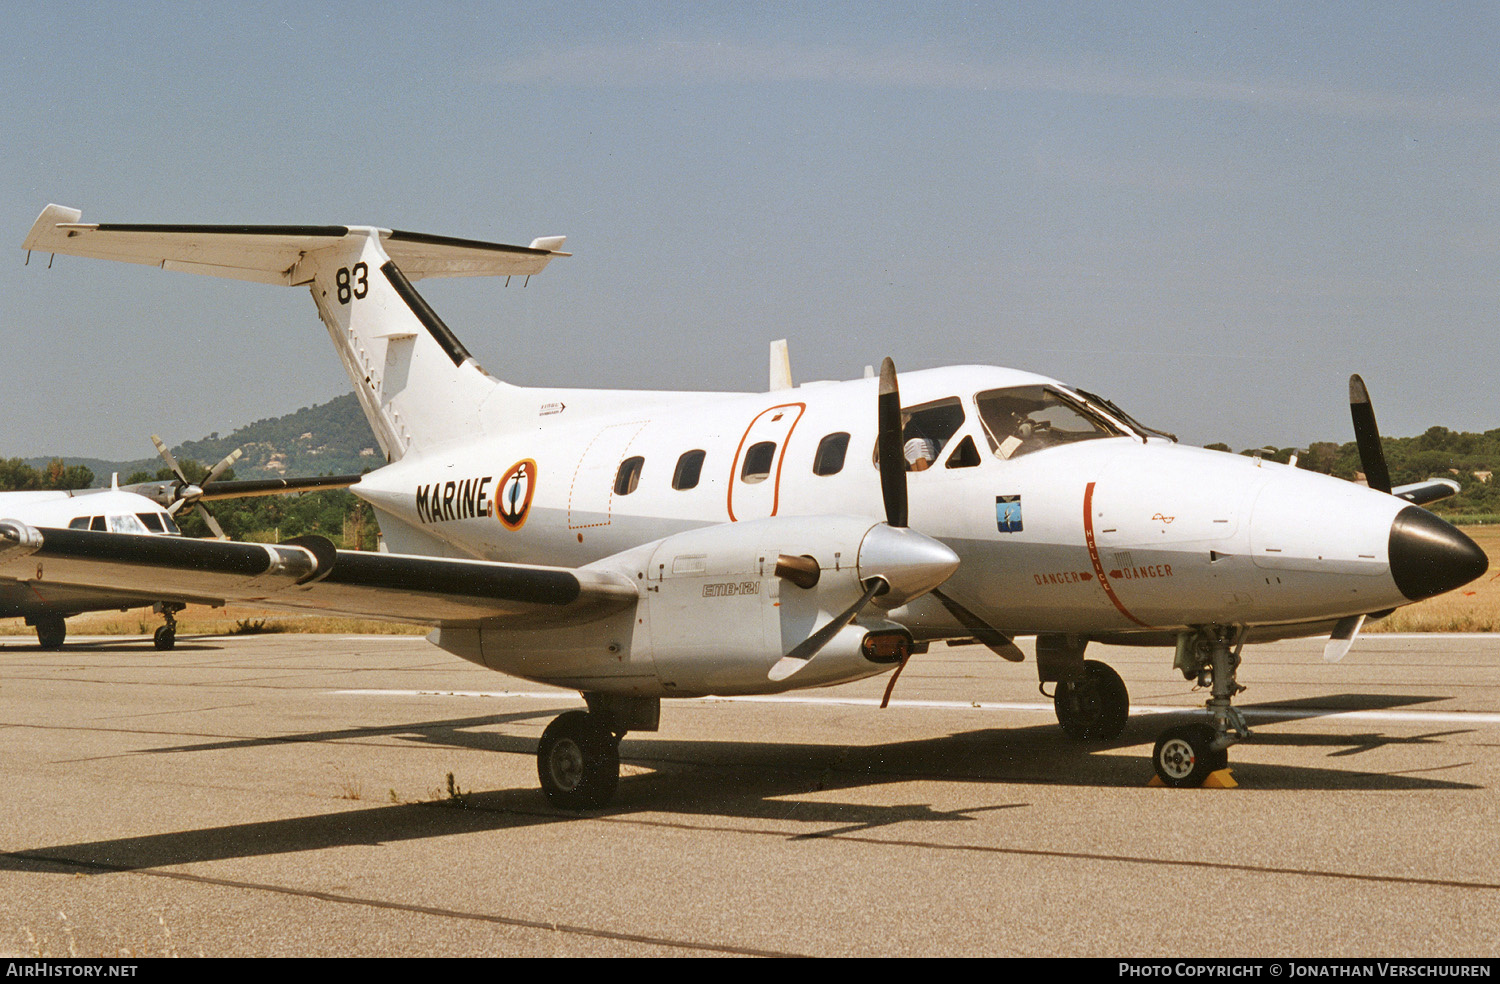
[[1121, 535]]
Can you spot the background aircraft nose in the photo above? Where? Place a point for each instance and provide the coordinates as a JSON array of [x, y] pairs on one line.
[[1430, 556]]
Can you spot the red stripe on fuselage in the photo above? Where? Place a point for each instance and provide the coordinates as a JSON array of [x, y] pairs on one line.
[[1088, 538]]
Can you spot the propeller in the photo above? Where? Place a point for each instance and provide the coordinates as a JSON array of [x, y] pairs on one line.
[[1378, 477], [805, 650], [188, 494], [892, 458], [903, 563], [1367, 436]]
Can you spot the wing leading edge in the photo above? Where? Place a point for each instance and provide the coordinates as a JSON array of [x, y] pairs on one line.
[[310, 575]]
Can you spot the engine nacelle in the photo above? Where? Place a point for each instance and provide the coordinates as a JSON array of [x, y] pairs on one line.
[[722, 605]]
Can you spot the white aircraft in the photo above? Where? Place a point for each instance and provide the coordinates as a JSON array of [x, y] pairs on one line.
[[146, 508], [636, 546]]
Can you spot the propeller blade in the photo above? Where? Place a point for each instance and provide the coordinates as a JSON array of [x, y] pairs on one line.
[[171, 461], [1367, 436], [213, 524], [808, 648], [1342, 638], [223, 465], [997, 642], [892, 457]]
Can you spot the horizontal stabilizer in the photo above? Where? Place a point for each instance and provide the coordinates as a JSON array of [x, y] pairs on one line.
[[272, 254]]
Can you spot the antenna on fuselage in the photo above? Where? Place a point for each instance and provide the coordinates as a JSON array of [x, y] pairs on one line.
[[781, 366]]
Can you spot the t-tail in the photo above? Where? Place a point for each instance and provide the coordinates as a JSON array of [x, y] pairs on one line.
[[418, 385]]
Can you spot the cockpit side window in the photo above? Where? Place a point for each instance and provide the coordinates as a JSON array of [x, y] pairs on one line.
[[151, 521], [79, 523], [98, 524], [1023, 419], [126, 524], [926, 430]]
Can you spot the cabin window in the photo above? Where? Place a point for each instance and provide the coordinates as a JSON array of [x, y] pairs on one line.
[[829, 459], [151, 521], [79, 523], [98, 524], [629, 475], [1023, 419], [689, 470], [758, 462]]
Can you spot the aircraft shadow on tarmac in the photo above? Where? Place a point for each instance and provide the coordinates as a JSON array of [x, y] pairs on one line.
[[726, 779]]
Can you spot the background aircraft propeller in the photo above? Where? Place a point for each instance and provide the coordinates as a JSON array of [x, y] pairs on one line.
[[188, 493]]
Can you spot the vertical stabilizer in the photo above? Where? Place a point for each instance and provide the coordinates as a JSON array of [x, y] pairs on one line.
[[417, 383]]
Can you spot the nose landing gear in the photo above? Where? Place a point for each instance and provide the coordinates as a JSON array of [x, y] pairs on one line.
[[1188, 754]]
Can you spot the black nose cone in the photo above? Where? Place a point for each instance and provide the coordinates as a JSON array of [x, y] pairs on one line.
[[1430, 556]]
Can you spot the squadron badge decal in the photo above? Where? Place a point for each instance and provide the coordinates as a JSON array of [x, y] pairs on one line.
[[1008, 513], [514, 500]]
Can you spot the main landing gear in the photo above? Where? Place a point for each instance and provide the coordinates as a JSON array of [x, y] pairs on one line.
[[166, 635], [1185, 755], [1090, 699], [51, 630], [578, 759], [1094, 707]]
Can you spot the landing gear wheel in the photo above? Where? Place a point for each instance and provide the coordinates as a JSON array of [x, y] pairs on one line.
[[578, 762], [1094, 708], [165, 638], [1184, 755], [51, 631]]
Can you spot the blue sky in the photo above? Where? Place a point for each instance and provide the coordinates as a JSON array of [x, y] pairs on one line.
[[1210, 213]]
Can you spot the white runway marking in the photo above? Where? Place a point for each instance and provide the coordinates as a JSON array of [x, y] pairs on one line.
[[1409, 717]]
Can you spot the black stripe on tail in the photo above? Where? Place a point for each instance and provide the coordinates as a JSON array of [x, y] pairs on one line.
[[440, 332]]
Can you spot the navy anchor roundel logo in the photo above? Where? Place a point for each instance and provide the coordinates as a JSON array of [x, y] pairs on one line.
[[514, 500]]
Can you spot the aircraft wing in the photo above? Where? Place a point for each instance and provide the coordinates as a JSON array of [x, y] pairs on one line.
[[310, 575], [251, 487], [271, 254]]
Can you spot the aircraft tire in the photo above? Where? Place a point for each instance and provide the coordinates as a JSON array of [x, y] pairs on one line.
[[51, 630], [1094, 708], [165, 638], [1184, 755], [578, 762]]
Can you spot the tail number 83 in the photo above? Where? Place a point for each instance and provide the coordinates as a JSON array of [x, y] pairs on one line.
[[353, 283]]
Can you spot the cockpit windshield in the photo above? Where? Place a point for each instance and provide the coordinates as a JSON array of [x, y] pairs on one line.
[[1023, 419]]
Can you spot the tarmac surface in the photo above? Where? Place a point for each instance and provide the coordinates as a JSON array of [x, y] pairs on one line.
[[301, 795]]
